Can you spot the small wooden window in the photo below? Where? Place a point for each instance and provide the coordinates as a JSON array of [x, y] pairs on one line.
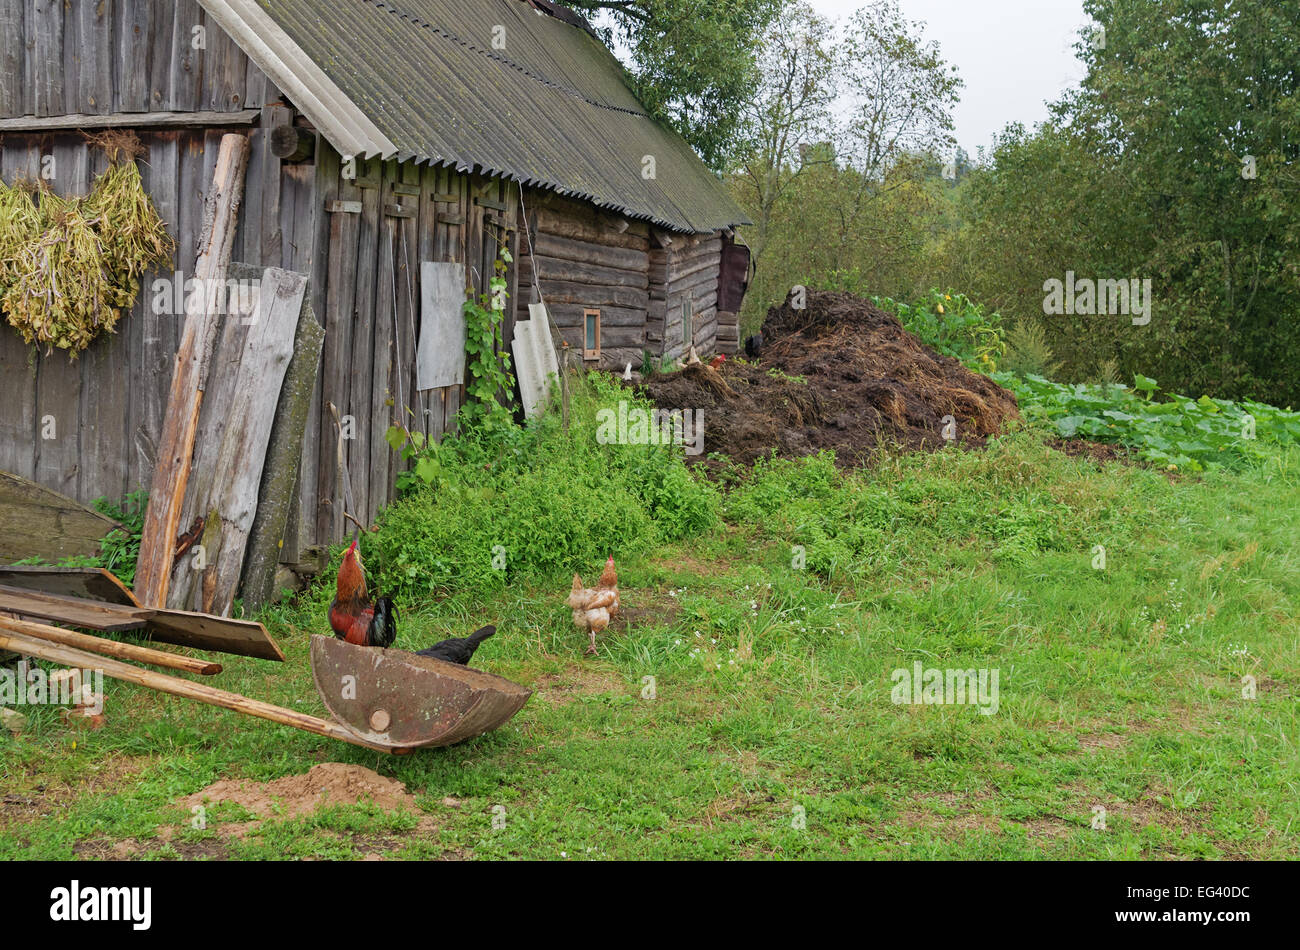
[[591, 334], [688, 324]]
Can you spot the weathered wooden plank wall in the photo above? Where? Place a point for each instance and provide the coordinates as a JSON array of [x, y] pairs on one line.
[[376, 229], [106, 406], [99, 56]]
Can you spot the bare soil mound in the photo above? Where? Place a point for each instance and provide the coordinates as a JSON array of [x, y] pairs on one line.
[[838, 374], [330, 783]]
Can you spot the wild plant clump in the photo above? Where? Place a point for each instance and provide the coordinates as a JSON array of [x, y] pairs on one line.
[[69, 267]]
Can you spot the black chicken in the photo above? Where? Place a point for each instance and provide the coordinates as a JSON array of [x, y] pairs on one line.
[[459, 650], [754, 346]]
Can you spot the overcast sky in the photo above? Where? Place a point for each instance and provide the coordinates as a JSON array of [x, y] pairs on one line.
[[1014, 55]]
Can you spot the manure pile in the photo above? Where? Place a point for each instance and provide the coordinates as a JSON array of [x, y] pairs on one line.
[[839, 374]]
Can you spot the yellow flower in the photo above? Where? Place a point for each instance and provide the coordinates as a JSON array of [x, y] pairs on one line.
[[939, 307]]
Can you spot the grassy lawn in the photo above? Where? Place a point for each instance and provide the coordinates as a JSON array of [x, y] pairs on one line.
[[772, 731]]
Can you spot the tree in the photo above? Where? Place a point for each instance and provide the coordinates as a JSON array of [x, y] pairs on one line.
[[897, 95], [786, 124], [692, 64], [858, 102], [1174, 161], [898, 90]]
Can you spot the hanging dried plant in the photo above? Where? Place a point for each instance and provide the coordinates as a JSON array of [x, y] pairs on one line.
[[69, 267]]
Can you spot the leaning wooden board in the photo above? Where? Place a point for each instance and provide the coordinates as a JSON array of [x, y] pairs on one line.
[[74, 611], [111, 601], [38, 522], [93, 583]]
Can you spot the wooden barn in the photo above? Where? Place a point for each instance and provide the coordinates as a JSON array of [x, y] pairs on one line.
[[382, 137]]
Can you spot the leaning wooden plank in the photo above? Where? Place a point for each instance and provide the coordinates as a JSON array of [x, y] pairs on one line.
[[184, 591], [122, 651], [175, 686], [243, 453], [215, 634], [90, 614], [176, 445], [36, 521], [278, 493], [94, 583]]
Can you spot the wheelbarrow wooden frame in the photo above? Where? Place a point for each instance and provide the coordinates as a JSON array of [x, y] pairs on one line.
[[386, 700]]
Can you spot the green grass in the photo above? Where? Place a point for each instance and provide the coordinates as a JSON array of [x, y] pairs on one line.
[[1119, 688]]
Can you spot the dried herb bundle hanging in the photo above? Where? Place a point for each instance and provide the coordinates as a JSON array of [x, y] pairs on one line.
[[69, 267]]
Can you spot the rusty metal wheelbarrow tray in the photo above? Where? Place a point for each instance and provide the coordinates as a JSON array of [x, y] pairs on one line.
[[401, 701]]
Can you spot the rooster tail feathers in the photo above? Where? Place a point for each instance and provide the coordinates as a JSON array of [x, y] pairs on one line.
[[383, 628], [481, 634], [577, 582]]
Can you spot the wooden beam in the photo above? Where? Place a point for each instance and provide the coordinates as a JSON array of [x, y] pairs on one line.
[[130, 120], [122, 651], [189, 376]]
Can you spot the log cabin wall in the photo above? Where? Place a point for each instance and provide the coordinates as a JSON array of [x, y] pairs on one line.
[[684, 273], [584, 258]]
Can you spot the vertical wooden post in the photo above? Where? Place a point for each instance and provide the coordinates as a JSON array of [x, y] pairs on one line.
[[189, 376]]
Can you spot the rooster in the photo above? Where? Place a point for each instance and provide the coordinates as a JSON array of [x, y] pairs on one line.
[[354, 617], [593, 608], [459, 650]]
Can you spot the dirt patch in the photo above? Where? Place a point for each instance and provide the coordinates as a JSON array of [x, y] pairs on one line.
[[560, 689], [839, 374], [648, 610], [38, 800], [330, 783], [1101, 452]]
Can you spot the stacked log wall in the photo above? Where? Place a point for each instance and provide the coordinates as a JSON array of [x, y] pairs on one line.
[[583, 258], [690, 265]]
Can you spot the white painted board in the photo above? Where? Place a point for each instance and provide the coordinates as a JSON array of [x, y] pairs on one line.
[[440, 355], [536, 367]]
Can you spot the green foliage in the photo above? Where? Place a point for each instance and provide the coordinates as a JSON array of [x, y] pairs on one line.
[[486, 425], [1174, 161], [555, 502], [487, 365], [1178, 432], [1028, 352], [950, 323], [692, 64], [850, 524]]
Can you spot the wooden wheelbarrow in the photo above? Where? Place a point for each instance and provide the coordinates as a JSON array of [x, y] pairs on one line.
[[388, 700]]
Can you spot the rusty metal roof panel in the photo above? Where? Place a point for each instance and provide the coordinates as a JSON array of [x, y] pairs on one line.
[[499, 86]]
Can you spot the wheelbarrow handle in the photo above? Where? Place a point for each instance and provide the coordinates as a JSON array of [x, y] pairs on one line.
[[70, 656]]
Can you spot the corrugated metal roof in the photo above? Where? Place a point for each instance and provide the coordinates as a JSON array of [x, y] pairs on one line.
[[423, 80]]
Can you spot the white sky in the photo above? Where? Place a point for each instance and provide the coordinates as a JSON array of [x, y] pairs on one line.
[[1014, 55]]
